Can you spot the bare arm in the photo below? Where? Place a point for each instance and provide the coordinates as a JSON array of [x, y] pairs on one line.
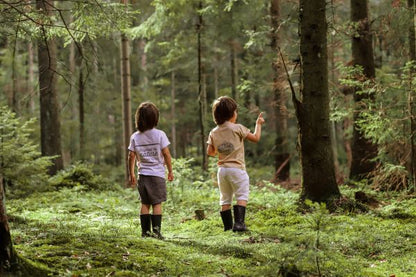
[[131, 161], [257, 132], [211, 150], [168, 161]]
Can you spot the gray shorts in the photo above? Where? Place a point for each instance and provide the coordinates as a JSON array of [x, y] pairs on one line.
[[152, 189]]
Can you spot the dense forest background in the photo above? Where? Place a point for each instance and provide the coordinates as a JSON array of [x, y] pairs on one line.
[[335, 80], [183, 54]]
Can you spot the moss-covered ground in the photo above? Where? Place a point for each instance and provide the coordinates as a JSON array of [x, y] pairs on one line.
[[76, 232]]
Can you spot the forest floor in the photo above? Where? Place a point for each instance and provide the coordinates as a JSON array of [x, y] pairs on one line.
[[75, 232]]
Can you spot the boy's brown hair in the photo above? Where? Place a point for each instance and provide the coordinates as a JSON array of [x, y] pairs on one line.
[[223, 109], [147, 116]]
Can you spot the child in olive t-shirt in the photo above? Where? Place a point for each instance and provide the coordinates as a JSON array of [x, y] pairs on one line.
[[227, 141]]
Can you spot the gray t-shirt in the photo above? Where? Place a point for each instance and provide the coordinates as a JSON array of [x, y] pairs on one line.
[[148, 148]]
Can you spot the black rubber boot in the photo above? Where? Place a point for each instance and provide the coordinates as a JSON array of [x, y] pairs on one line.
[[157, 226], [227, 219], [145, 223], [239, 215]]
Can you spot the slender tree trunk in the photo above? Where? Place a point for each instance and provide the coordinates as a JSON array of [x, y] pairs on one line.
[[81, 91], [281, 152], [317, 159], [363, 150], [412, 56], [143, 62], [173, 112], [118, 140], [233, 69], [126, 96], [49, 107], [334, 137], [216, 83], [201, 92], [8, 257], [31, 77], [15, 107]]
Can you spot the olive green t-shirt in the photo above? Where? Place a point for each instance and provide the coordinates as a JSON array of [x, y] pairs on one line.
[[228, 141]]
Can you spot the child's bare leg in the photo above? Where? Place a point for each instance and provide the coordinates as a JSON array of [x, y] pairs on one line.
[[225, 207], [157, 209], [242, 203], [145, 209]]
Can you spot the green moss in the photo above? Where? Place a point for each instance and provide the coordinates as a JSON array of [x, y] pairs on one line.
[[97, 233]]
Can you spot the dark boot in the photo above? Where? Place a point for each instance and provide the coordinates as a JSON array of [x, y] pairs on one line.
[[227, 219], [145, 223], [157, 225], [239, 214]]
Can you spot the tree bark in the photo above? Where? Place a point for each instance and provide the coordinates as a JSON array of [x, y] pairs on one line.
[[173, 113], [317, 160], [363, 150], [201, 92], [81, 91], [233, 70], [126, 98], [411, 101], [49, 107], [31, 77], [8, 257], [15, 104], [281, 152]]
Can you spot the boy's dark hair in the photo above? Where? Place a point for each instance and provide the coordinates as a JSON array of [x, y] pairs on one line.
[[223, 109], [147, 116]]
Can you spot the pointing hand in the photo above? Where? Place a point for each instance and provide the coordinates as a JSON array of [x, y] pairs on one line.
[[260, 120]]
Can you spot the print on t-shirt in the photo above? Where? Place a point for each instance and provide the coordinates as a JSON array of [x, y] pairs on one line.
[[148, 153], [226, 148]]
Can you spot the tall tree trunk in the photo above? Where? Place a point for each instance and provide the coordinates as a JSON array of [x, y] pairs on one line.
[[317, 159], [363, 150], [81, 91], [8, 257], [143, 62], [412, 56], [126, 97], [49, 107], [281, 152], [201, 91], [173, 112], [15, 107], [215, 74], [31, 77], [233, 69]]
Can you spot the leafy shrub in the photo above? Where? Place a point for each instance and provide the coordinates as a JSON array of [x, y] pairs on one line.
[[80, 175], [22, 166]]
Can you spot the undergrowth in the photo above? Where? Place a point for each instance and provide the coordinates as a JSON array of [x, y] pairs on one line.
[[77, 232]]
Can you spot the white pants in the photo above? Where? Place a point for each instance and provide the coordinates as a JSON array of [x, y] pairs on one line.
[[232, 181]]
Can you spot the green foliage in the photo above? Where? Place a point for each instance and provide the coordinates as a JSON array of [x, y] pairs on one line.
[[81, 177], [21, 163], [97, 233]]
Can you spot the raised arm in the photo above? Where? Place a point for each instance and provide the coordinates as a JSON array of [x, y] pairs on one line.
[[257, 132]]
